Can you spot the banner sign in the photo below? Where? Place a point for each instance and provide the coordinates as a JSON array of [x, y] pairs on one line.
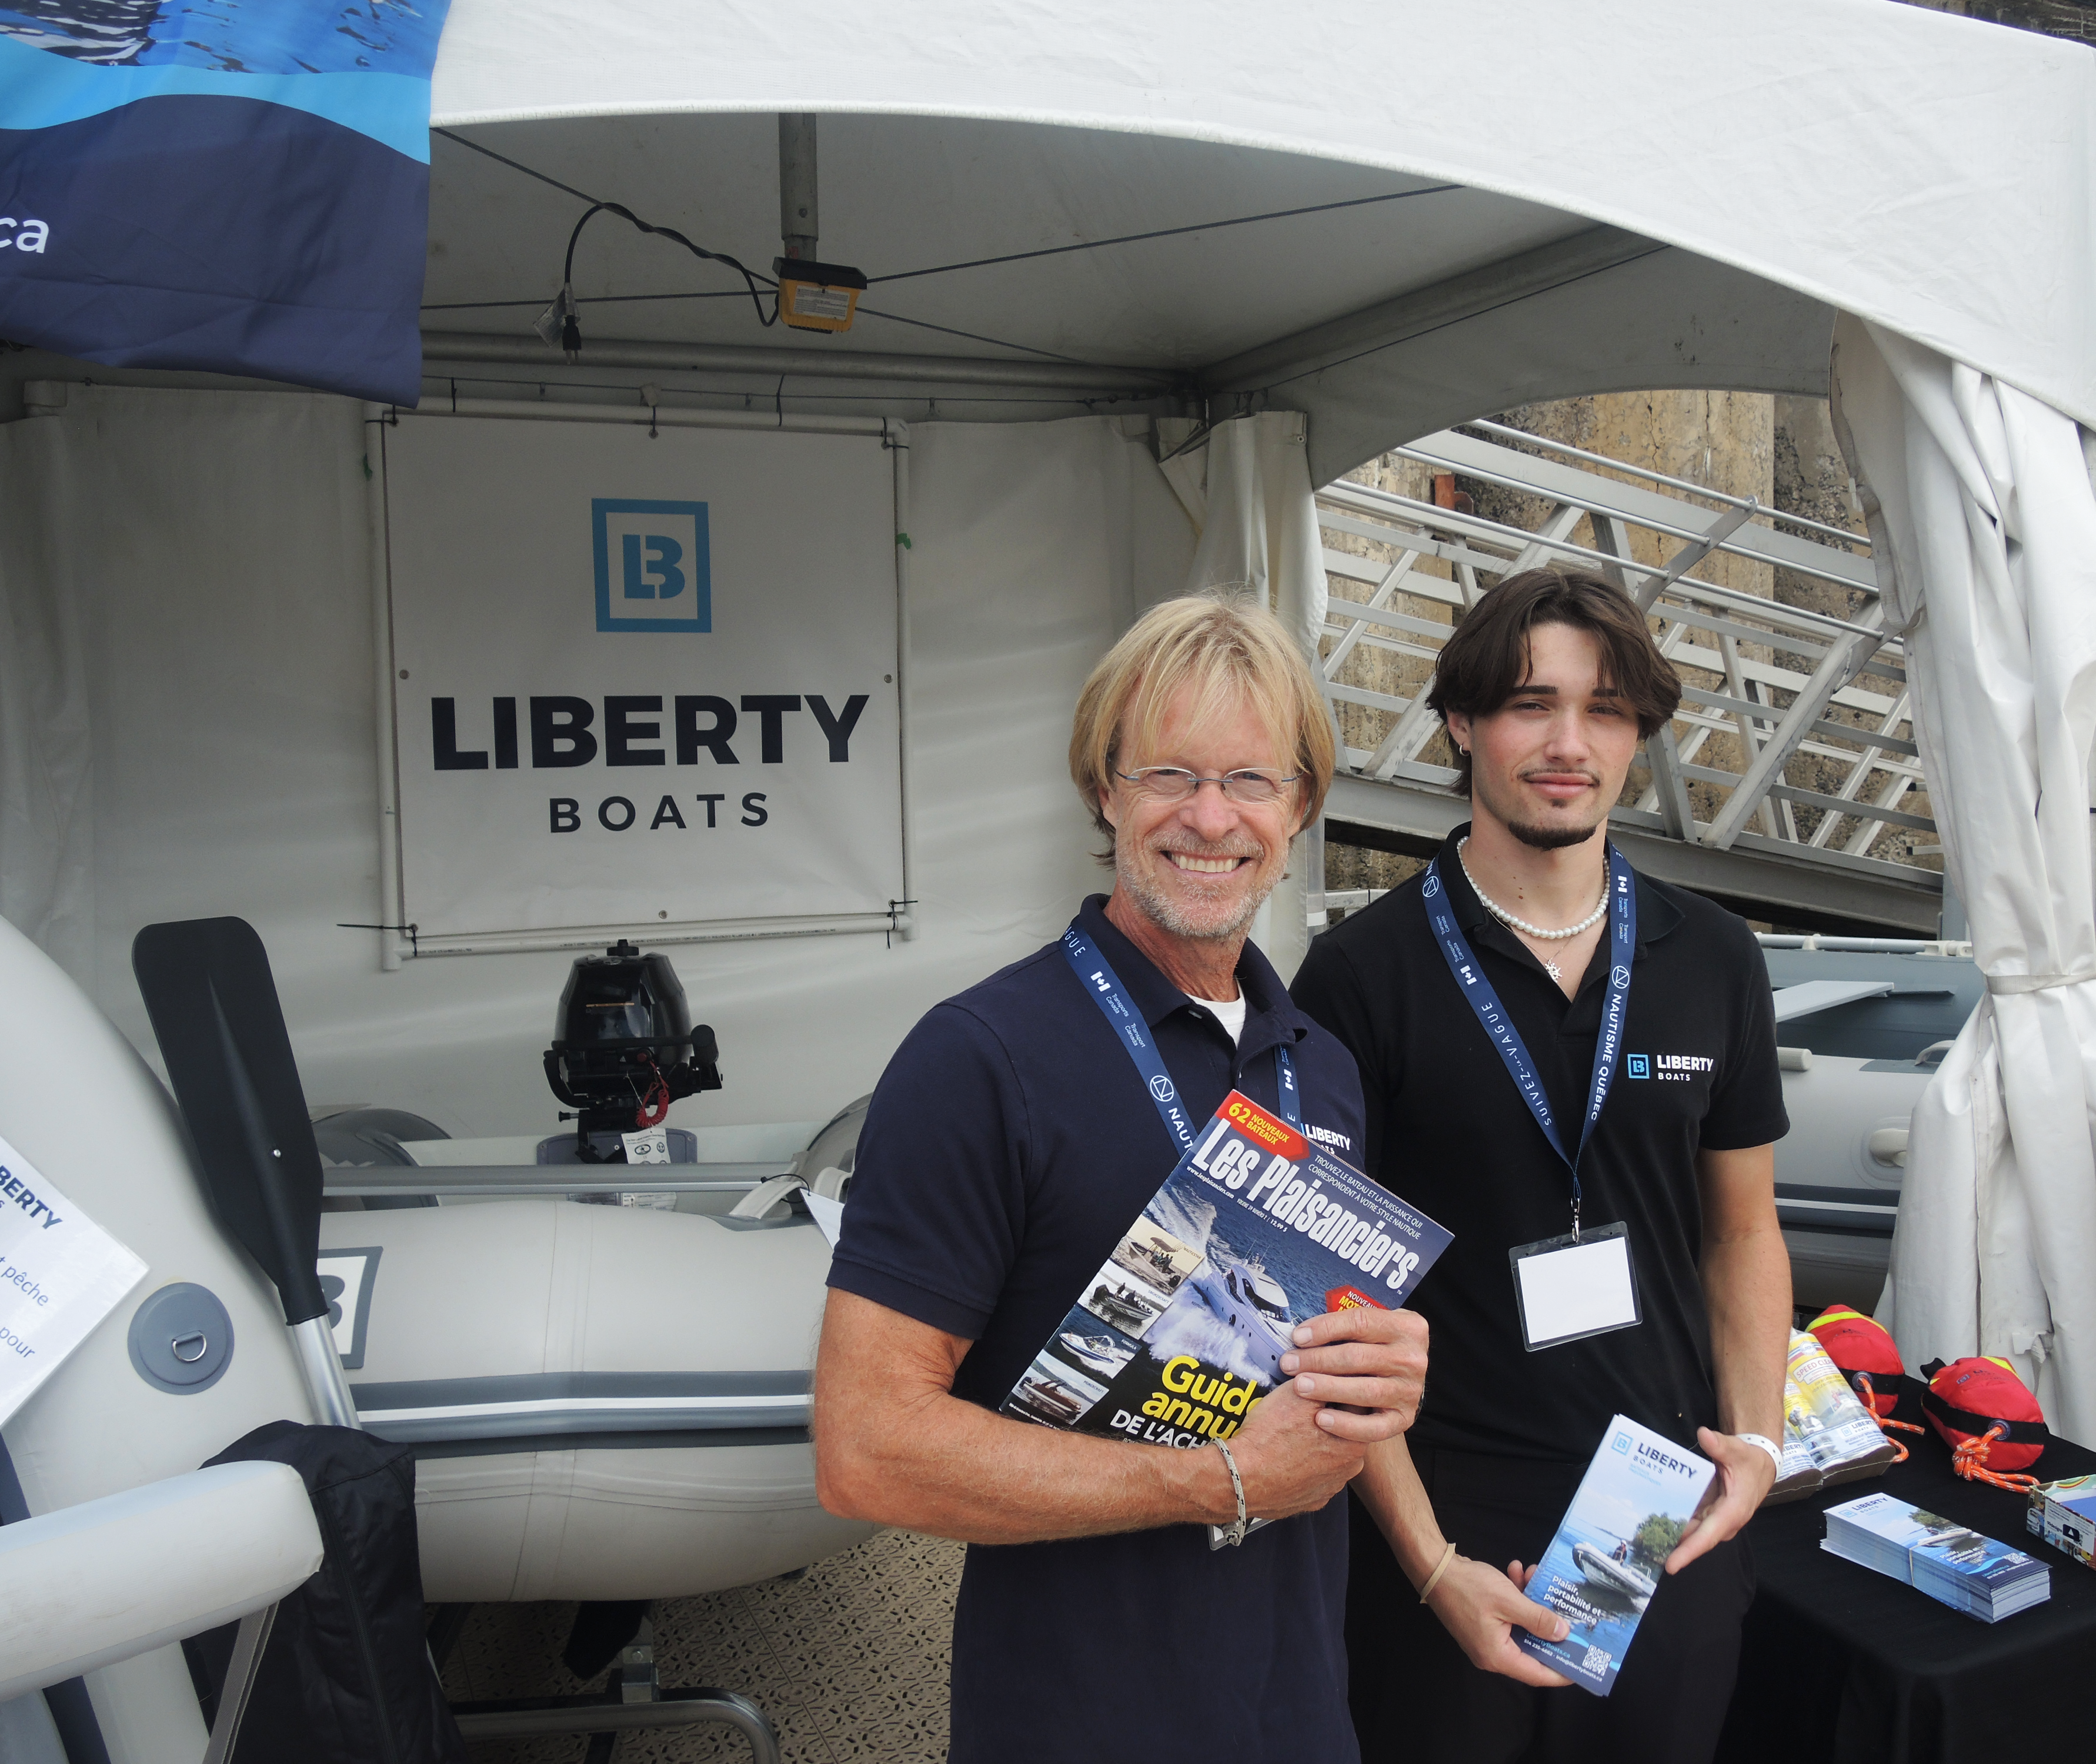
[[243, 189], [642, 682], [60, 1275]]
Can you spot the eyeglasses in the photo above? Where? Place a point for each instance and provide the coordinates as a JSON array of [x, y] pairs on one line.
[[1175, 784]]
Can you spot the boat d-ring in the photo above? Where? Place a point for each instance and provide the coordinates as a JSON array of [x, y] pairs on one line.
[[181, 1340]]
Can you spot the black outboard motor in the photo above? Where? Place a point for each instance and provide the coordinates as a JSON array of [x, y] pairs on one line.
[[626, 1049]]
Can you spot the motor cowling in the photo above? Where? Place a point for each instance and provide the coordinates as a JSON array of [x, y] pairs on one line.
[[625, 1048]]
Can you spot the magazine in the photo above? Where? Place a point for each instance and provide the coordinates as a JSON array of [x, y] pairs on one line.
[[1177, 1337], [1940, 1557], [1828, 1436], [2063, 1513], [1604, 1566]]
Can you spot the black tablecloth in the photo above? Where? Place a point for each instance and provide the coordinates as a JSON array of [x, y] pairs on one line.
[[1844, 1665]]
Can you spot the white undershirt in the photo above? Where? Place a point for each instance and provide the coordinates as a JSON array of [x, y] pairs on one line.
[[1231, 1015]]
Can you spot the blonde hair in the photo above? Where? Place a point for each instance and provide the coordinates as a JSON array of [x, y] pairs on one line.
[[1225, 650]]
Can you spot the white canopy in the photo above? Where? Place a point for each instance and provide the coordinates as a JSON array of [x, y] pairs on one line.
[[1389, 217], [1750, 166]]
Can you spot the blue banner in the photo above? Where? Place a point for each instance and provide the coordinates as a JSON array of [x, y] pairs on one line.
[[218, 184]]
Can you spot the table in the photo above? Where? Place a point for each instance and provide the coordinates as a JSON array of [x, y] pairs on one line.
[[1845, 1665]]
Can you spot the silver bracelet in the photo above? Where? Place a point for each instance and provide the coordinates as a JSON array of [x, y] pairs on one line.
[[1233, 1533]]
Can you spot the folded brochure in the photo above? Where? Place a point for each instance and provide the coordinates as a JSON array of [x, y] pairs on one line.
[[2063, 1513], [1952, 1564], [1179, 1334], [1604, 1566]]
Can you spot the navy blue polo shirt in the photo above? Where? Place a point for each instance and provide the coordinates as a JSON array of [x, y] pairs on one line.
[[1008, 1146]]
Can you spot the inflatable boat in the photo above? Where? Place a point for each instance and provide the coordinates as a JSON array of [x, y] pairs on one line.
[[1862, 1023], [84, 1109], [605, 1402]]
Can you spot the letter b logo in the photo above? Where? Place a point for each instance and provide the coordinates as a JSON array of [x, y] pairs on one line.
[[653, 564]]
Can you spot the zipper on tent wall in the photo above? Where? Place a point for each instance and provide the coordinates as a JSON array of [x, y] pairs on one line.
[[377, 418], [895, 437]]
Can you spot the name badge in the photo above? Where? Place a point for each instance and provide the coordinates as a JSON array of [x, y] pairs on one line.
[[1568, 1288]]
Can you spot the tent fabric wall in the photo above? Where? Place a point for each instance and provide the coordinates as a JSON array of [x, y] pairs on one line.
[[196, 564], [1935, 174], [1982, 504], [1246, 486], [46, 749]]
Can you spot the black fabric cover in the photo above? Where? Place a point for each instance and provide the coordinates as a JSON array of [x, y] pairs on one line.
[[1840, 1665], [346, 1678]]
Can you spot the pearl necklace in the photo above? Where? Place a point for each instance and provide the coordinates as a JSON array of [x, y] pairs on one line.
[[1522, 925]]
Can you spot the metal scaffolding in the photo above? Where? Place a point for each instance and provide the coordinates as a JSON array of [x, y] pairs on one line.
[[1793, 755]]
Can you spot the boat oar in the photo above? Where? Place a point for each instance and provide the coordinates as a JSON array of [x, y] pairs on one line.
[[213, 1004]]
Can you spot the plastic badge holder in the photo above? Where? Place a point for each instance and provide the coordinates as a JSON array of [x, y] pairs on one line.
[[1577, 1293]]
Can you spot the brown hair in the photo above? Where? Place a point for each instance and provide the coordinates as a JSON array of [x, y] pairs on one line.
[[1482, 664], [1223, 649]]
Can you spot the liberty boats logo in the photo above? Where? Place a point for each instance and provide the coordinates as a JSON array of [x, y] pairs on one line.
[[1638, 1066], [654, 564]]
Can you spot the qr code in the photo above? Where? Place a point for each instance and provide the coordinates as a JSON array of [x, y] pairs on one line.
[[1596, 1661]]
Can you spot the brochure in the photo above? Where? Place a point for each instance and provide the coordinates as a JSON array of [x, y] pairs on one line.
[[1953, 1565], [1828, 1436], [1177, 1337], [60, 1275], [1604, 1566], [2063, 1513]]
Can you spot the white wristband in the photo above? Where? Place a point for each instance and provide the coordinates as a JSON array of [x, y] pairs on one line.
[[1767, 1445]]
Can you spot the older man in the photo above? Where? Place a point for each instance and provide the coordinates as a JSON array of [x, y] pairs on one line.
[[1011, 1143]]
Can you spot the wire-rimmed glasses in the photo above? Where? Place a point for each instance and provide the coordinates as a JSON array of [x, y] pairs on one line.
[[1252, 786]]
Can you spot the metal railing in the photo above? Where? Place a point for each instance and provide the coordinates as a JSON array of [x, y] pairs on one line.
[[1796, 723]]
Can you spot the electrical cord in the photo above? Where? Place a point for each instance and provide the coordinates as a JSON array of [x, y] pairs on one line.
[[749, 276]]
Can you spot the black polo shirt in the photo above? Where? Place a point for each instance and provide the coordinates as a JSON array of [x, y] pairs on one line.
[[1009, 1145], [1448, 1130]]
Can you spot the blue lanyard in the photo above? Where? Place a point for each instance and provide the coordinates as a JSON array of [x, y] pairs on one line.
[[1107, 993], [1470, 977]]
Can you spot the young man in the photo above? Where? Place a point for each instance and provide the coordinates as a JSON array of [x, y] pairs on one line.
[[1635, 1102], [1012, 1141]]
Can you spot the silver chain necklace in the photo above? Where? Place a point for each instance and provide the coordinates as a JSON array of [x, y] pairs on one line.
[[1515, 923]]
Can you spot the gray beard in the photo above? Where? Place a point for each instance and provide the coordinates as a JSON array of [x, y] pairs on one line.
[[1163, 911]]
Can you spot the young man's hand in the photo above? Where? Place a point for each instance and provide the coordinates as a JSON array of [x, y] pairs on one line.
[[1746, 1474], [1370, 1365], [1482, 1608]]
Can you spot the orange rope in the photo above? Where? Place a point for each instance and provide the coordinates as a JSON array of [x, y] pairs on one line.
[[1968, 1458], [1884, 1421]]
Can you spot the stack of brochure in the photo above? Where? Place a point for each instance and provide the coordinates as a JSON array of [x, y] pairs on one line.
[[1828, 1436], [1937, 1555]]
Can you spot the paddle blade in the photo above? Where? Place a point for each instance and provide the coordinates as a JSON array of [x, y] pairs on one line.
[[207, 989]]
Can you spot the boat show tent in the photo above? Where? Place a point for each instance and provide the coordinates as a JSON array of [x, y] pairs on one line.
[[1094, 234]]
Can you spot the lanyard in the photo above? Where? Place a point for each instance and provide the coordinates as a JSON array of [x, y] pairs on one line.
[[1470, 976], [1119, 1009]]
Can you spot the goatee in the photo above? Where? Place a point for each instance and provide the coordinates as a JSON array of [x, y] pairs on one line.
[[1552, 838]]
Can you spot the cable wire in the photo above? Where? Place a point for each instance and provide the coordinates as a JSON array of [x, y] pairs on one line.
[[1164, 233]]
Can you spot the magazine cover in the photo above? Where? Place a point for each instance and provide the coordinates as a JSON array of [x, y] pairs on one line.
[[1178, 1336], [1602, 1567]]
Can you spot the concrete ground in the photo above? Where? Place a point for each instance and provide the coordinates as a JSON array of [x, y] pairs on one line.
[[849, 1661]]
